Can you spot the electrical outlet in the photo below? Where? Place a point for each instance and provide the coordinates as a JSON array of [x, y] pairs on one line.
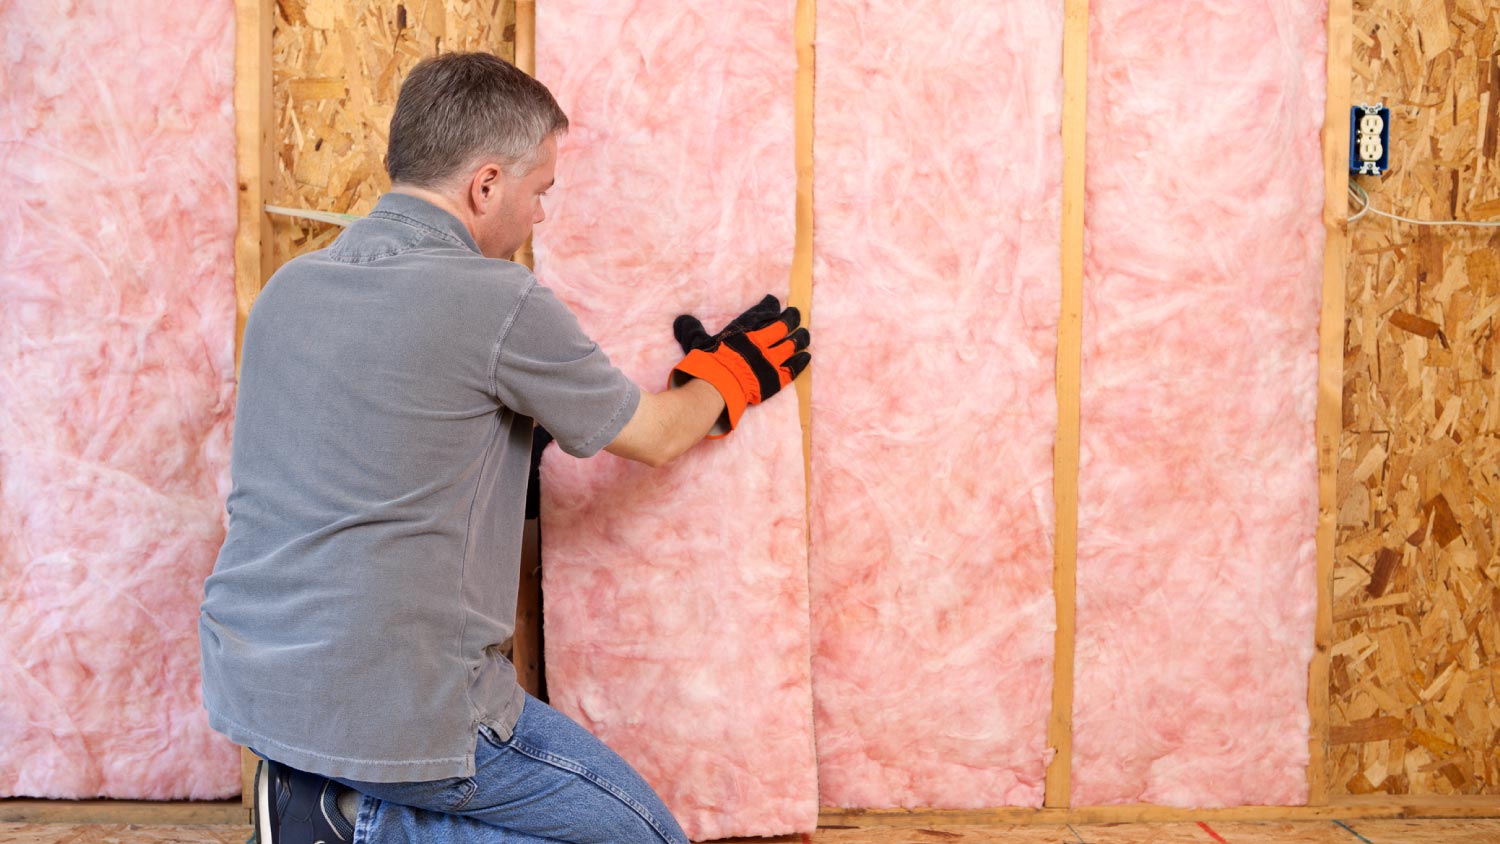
[[1369, 139]]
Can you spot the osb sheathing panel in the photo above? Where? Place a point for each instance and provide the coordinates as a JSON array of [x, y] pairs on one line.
[[1414, 674], [337, 66]]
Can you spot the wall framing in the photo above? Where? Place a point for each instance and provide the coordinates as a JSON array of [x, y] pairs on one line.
[[1330, 378], [1335, 470], [1075, 66], [1432, 295]]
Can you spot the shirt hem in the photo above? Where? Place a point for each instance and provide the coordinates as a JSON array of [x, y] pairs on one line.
[[504, 725], [344, 767]]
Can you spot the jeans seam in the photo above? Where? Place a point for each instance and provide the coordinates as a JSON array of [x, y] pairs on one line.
[[583, 771], [363, 818], [471, 787]]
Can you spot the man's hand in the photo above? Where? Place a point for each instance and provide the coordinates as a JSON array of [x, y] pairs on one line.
[[750, 360]]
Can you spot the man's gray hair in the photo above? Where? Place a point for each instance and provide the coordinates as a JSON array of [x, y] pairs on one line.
[[457, 108]]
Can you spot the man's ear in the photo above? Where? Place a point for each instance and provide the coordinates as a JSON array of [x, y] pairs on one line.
[[485, 186]]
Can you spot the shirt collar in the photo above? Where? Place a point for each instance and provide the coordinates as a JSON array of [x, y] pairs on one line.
[[413, 211]]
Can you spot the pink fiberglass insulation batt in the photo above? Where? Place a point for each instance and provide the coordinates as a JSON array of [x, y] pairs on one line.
[[936, 282], [1198, 489], [676, 599], [117, 218]]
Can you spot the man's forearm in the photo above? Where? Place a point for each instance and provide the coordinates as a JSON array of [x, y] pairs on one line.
[[668, 423]]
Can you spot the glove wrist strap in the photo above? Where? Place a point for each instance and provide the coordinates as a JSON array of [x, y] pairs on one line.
[[702, 365]]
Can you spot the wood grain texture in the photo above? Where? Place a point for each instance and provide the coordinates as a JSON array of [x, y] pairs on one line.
[[1330, 383], [800, 294], [527, 646], [114, 833], [249, 762], [1373, 806], [523, 46], [1069, 376], [253, 156], [1405, 831], [1413, 673], [524, 35], [15, 813], [252, 109], [216, 812]]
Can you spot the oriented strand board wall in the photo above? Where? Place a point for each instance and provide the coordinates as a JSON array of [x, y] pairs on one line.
[[337, 67], [1414, 674]]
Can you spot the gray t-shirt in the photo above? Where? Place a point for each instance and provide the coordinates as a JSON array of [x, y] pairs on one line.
[[382, 442]]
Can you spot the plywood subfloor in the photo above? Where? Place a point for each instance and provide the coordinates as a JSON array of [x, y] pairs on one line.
[[1436, 831], [1424, 832]]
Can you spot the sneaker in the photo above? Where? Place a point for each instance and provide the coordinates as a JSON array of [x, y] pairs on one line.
[[292, 807]]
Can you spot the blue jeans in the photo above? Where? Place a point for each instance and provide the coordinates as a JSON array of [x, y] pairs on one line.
[[553, 781]]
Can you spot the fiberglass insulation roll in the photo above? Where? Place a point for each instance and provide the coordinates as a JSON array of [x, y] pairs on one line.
[[117, 218], [676, 598], [1198, 487], [938, 172]]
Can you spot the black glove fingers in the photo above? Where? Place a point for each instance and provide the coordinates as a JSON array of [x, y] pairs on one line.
[[799, 339], [765, 312], [796, 363], [767, 305], [690, 333]]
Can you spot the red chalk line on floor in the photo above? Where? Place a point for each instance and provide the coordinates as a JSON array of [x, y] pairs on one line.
[[1211, 834]]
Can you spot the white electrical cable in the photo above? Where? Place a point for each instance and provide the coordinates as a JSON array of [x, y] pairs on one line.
[[1357, 193], [320, 216], [1354, 195]]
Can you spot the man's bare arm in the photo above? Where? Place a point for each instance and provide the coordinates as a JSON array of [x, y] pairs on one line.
[[666, 424]]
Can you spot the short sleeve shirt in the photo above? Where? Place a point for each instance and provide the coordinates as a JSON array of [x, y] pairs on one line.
[[382, 446]]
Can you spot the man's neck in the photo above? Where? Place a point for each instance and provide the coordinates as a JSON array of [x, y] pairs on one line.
[[442, 201]]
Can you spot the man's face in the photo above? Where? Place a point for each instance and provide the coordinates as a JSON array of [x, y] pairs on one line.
[[508, 218]]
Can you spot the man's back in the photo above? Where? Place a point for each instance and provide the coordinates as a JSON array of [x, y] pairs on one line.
[[381, 450], [388, 389]]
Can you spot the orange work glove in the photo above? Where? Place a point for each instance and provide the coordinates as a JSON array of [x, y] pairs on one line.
[[749, 361]]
